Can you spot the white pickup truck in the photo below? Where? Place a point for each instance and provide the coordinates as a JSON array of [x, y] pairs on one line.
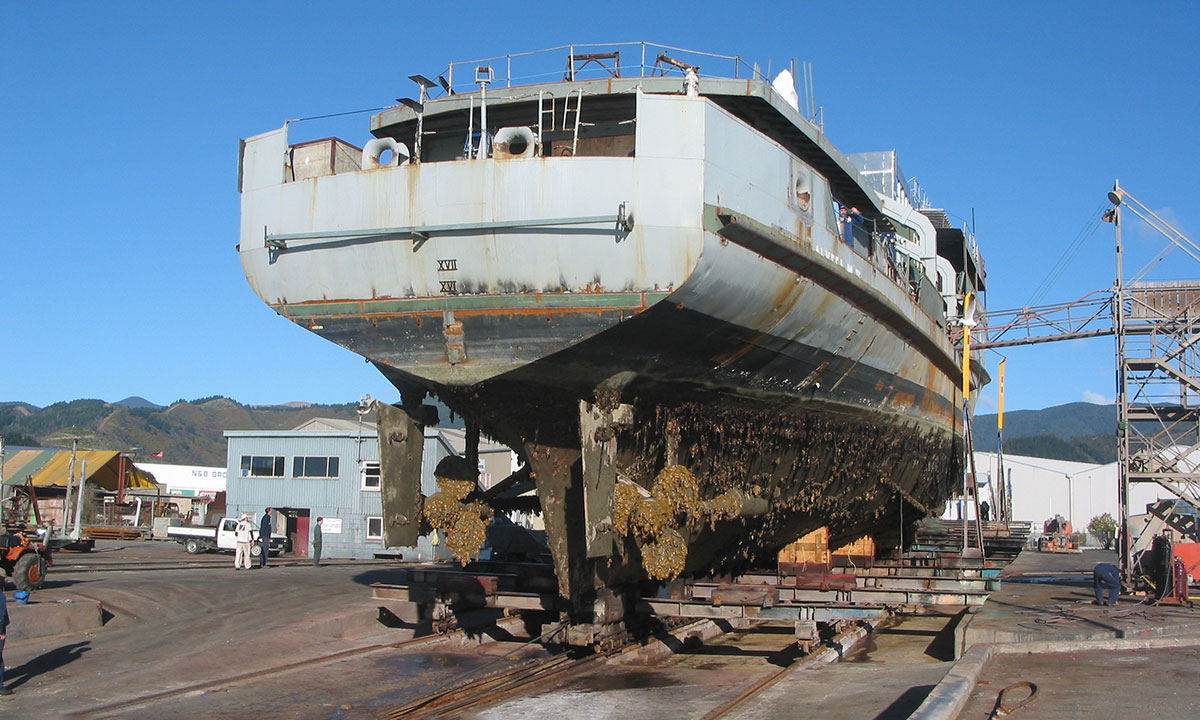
[[202, 538]]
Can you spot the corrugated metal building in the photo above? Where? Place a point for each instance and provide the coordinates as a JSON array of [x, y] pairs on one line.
[[1042, 488], [326, 468], [50, 467], [49, 471]]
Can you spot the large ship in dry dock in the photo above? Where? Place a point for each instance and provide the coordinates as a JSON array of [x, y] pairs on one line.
[[704, 329]]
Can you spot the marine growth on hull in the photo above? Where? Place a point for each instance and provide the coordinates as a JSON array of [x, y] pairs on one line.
[[657, 520], [707, 486]]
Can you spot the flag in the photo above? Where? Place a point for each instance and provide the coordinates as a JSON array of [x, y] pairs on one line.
[[157, 455]]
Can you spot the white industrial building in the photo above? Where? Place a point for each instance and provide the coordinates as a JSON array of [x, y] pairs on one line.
[[1042, 488], [187, 480], [329, 468]]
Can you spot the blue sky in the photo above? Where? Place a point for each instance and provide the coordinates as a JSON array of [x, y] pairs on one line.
[[119, 211]]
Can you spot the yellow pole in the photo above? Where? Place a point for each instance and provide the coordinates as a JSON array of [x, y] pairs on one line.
[[966, 326], [1000, 417]]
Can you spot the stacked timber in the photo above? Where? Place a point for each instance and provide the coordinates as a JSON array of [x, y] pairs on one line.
[[112, 533]]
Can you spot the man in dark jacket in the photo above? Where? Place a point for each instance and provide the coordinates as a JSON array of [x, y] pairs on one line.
[[1106, 576], [3, 634], [316, 543], [264, 537]]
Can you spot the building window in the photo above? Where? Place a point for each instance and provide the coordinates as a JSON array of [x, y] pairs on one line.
[[262, 466], [370, 474], [374, 528], [314, 467]]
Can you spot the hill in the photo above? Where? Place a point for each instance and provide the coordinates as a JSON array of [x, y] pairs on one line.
[[1063, 421], [136, 401], [1096, 449], [187, 433], [1080, 432]]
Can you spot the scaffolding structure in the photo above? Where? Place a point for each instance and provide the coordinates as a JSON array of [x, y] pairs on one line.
[[1157, 328]]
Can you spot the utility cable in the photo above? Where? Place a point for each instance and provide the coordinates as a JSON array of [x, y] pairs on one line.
[[1086, 232], [342, 114]]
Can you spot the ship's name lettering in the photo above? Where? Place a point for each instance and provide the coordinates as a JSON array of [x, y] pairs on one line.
[[840, 262]]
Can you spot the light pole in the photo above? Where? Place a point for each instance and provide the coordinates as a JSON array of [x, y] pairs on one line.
[[1071, 501]]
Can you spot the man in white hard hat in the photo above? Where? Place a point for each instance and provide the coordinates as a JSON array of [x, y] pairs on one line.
[[244, 534]]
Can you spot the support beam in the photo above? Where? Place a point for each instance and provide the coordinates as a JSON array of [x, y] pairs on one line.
[[598, 435], [401, 445], [557, 472]]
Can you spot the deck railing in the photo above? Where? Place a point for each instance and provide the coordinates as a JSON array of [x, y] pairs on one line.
[[591, 61]]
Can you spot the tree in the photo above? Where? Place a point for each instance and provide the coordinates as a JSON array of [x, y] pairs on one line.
[[1104, 529]]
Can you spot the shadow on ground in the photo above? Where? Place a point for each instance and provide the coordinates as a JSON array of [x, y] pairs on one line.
[[46, 662]]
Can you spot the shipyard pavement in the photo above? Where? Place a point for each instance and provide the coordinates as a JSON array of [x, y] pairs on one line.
[[1041, 627]]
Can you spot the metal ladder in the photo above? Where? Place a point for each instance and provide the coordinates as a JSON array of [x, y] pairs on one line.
[[543, 111], [568, 111], [570, 116], [469, 145]]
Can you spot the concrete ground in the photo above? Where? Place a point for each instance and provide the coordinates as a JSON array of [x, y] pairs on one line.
[[1091, 661], [886, 677], [171, 628], [192, 624], [1049, 596], [1114, 684]]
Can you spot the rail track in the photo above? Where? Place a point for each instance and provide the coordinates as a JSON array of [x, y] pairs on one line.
[[490, 685], [482, 690], [504, 678], [828, 653], [194, 563], [493, 687]]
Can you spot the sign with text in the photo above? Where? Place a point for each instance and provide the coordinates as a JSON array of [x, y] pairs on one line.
[[331, 526]]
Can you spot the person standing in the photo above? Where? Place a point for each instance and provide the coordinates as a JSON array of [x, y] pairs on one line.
[[316, 543], [3, 634], [244, 534], [848, 217], [264, 537]]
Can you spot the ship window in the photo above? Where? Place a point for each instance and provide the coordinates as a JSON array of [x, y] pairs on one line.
[[803, 192], [831, 218], [314, 467], [262, 466]]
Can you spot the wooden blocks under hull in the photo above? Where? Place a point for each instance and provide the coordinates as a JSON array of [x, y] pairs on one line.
[[812, 552]]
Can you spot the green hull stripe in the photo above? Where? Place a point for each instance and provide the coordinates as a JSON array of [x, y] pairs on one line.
[[545, 301]]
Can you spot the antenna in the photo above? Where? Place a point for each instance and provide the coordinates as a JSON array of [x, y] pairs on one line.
[[810, 98]]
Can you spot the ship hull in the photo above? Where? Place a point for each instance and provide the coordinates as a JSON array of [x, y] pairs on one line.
[[851, 441], [717, 323], [836, 459]]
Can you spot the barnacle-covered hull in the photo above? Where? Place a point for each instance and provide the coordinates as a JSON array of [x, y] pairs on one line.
[[658, 309], [843, 458]]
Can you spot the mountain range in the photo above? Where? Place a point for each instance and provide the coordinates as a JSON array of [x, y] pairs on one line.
[[186, 432], [1081, 432]]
